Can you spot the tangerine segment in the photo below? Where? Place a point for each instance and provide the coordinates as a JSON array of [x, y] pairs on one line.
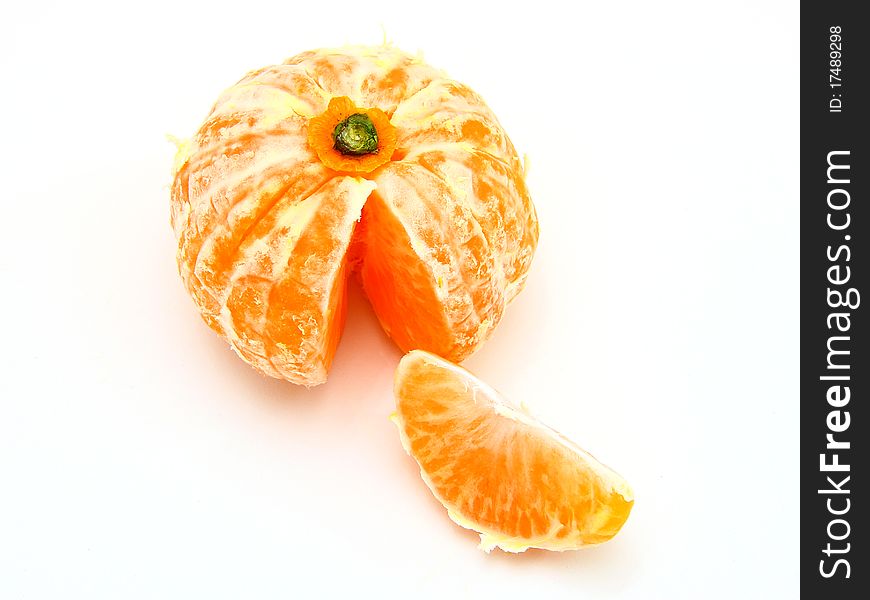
[[496, 196], [285, 304], [380, 76], [448, 112], [428, 269], [497, 469], [301, 92], [396, 281], [249, 152], [217, 206]]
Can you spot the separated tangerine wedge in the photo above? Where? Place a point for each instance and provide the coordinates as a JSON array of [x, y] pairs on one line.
[[499, 471]]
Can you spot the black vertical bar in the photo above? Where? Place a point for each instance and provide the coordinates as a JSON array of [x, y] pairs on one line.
[[835, 369]]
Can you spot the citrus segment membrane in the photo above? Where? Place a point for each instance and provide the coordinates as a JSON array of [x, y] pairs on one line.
[[498, 470], [427, 257]]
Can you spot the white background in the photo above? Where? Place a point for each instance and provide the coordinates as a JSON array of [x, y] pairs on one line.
[[139, 458]]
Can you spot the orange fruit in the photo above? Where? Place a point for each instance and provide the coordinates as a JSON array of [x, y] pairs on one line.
[[498, 470], [361, 159]]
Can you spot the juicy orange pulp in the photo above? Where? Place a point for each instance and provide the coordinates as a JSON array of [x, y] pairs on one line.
[[497, 469]]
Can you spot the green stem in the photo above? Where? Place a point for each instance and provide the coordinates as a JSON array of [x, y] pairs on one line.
[[356, 135]]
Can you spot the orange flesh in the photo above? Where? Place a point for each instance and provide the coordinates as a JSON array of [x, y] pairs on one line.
[[499, 471], [398, 284], [304, 311]]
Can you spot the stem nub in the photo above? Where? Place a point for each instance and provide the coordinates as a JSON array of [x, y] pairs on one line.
[[356, 135]]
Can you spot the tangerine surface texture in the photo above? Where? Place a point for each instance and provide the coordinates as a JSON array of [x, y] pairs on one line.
[[271, 218], [498, 470]]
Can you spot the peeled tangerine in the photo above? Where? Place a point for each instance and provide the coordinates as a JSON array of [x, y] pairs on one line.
[[361, 159], [497, 469]]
